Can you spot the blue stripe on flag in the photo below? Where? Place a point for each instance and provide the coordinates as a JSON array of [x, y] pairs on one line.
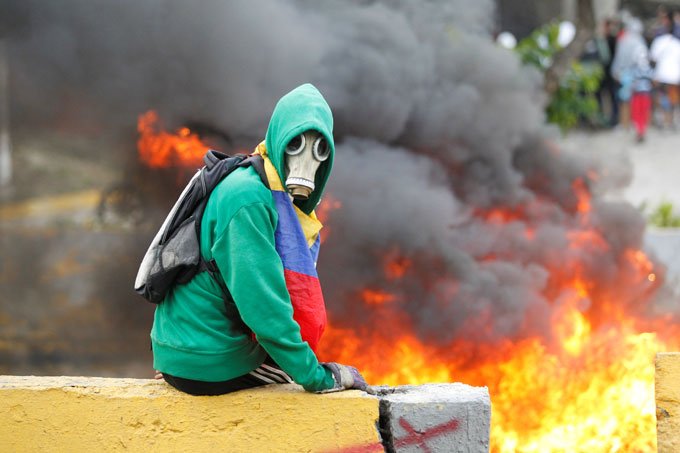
[[314, 250], [291, 243]]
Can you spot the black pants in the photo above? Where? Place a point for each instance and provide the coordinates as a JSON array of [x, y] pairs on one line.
[[267, 373]]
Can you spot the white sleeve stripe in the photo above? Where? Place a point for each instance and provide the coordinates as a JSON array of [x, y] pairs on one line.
[[262, 372], [277, 377], [280, 372], [262, 378]]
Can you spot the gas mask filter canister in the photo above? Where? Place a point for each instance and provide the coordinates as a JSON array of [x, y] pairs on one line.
[[303, 156]]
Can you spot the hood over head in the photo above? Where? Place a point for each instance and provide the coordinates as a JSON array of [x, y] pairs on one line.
[[302, 109]]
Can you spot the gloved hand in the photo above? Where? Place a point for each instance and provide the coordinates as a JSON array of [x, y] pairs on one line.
[[346, 377]]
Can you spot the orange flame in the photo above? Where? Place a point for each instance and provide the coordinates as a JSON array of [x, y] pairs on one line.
[[593, 391], [396, 269], [158, 148], [376, 297], [323, 211], [329, 204], [582, 196], [586, 386]]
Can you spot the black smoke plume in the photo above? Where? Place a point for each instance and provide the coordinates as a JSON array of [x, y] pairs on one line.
[[437, 129]]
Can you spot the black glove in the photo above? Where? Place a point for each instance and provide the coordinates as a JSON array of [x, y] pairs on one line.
[[346, 377]]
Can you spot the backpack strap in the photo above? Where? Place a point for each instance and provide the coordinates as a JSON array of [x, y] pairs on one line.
[[211, 159], [229, 304], [257, 162]]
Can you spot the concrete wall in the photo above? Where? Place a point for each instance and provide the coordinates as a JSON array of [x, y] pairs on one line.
[[78, 414], [667, 392], [98, 414]]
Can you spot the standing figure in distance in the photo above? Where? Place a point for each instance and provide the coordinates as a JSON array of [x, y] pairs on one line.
[[665, 53], [630, 45], [641, 99]]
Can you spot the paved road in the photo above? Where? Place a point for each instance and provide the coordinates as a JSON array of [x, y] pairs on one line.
[[653, 166]]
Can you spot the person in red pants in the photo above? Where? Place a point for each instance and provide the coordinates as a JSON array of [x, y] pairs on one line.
[[641, 100]]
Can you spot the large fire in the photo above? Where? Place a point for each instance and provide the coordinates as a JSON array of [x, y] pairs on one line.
[[586, 386], [158, 148]]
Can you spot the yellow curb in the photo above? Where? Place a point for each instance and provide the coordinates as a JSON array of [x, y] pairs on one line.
[[50, 205], [81, 414], [667, 392]]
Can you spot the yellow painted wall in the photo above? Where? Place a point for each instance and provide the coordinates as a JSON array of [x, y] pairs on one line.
[[78, 414], [667, 390]]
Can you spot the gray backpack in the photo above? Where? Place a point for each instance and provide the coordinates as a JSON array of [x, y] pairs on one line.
[[174, 256]]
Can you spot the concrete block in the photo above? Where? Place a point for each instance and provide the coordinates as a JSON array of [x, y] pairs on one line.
[[667, 394], [436, 418]]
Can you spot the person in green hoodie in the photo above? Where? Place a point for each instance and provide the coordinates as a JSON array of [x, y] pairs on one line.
[[265, 242]]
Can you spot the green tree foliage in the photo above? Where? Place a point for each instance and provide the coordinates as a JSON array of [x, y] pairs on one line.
[[664, 217], [574, 101]]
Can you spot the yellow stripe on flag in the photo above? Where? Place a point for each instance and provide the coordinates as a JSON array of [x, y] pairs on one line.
[[310, 223]]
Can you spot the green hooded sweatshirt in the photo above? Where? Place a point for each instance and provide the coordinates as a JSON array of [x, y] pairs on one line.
[[192, 337]]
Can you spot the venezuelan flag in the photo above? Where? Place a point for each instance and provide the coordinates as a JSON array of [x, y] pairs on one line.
[[297, 243]]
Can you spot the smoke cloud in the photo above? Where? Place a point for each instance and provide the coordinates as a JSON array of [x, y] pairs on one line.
[[443, 163]]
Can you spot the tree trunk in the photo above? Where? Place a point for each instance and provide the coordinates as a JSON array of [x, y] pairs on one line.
[[585, 28]]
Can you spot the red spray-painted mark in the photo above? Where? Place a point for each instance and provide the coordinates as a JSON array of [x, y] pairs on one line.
[[367, 448], [413, 437], [418, 438]]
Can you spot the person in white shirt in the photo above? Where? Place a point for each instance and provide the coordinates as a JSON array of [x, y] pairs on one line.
[[665, 54]]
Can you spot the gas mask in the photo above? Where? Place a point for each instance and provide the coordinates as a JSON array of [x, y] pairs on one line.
[[304, 154]]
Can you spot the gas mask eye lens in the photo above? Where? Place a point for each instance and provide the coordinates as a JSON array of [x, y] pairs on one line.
[[321, 149], [295, 145]]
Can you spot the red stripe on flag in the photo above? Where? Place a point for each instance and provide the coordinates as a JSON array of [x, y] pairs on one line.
[[309, 309]]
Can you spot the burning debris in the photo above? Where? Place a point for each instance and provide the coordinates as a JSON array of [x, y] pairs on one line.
[[461, 244], [160, 149]]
